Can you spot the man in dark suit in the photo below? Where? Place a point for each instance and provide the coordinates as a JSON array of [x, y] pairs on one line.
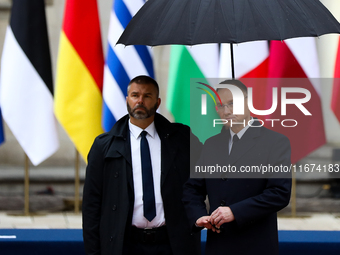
[[134, 181], [242, 217]]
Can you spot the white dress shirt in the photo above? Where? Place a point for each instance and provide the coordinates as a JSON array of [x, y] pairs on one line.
[[154, 141]]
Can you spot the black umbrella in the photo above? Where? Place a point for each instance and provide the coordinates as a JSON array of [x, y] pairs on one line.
[[190, 22]]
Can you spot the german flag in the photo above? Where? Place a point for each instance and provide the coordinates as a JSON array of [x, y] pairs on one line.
[[78, 93]]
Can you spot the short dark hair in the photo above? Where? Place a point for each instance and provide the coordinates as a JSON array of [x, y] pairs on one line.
[[237, 83], [143, 79]]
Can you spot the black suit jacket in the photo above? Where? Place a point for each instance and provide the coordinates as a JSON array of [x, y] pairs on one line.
[[108, 190], [253, 201]]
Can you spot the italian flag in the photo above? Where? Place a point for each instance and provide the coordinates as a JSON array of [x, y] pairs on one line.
[[184, 98], [78, 93], [251, 61]]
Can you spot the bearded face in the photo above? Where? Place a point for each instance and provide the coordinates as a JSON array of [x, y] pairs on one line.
[[141, 112]]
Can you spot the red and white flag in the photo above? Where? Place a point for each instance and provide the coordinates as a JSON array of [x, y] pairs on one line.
[[250, 60], [297, 58], [335, 104]]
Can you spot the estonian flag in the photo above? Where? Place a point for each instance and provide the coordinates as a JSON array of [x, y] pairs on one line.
[[26, 90]]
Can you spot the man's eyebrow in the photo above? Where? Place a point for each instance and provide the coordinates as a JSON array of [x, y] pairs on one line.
[[137, 92], [231, 100]]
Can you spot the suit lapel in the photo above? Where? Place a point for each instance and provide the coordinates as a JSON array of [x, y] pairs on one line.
[[120, 147], [168, 146], [221, 147], [247, 141], [168, 152], [127, 150]]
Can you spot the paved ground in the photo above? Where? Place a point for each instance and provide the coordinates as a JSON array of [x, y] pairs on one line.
[[305, 221], [52, 220], [71, 221], [55, 211], [52, 190]]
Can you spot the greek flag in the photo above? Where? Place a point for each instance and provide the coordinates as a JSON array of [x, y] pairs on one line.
[[122, 63]]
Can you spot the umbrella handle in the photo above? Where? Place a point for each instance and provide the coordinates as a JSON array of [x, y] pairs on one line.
[[232, 61]]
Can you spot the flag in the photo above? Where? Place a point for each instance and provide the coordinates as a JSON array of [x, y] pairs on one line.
[[122, 63], [335, 103], [200, 61], [250, 60], [78, 98], [26, 81], [250, 66], [2, 136], [297, 58]]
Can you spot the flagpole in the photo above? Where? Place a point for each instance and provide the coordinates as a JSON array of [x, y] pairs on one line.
[[76, 184], [293, 196], [27, 190]]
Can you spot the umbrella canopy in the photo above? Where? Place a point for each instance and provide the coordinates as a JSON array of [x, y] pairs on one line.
[[190, 22]]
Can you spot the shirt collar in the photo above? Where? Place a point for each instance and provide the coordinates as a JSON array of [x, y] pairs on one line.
[[241, 133], [136, 131]]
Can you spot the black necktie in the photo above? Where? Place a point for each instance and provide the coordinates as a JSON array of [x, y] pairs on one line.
[[147, 177], [235, 140]]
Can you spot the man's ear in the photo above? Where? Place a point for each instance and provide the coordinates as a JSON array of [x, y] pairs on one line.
[[158, 102]]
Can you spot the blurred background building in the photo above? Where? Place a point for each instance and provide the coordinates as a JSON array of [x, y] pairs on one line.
[[62, 162]]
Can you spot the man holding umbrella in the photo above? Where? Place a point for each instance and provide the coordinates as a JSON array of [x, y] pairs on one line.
[[243, 209], [242, 218]]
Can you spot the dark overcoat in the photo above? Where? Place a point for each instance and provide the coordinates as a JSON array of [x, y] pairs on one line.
[[108, 190], [253, 201]]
